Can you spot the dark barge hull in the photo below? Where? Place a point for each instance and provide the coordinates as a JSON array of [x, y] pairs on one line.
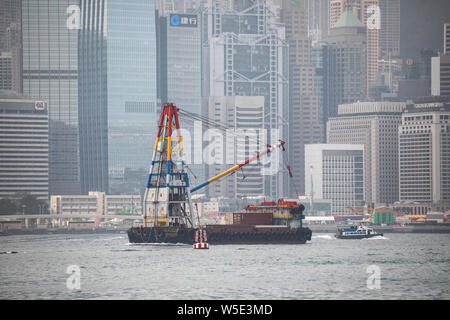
[[219, 236]]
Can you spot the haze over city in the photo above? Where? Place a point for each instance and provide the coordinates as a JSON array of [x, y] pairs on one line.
[[283, 125]]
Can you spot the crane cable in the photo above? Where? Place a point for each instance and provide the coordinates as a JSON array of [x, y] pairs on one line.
[[210, 123], [288, 167]]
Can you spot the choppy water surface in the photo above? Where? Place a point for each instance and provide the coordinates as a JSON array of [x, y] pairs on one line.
[[411, 266]]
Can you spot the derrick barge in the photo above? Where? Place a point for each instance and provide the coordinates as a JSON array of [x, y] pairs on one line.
[[167, 207]]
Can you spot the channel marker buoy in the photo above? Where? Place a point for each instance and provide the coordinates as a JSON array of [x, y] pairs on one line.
[[201, 239]]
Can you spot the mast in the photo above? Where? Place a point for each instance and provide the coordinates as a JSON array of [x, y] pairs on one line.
[[167, 199]]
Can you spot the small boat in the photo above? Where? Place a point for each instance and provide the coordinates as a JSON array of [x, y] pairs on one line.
[[355, 232]]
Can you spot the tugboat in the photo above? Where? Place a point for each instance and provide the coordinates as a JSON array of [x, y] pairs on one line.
[[356, 232], [168, 210]]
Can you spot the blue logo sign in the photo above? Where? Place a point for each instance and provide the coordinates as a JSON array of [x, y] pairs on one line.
[[183, 20], [175, 20]]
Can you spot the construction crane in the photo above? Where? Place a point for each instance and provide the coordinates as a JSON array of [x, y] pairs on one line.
[[240, 165], [167, 199]]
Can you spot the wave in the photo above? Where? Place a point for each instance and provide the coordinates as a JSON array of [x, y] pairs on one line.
[[123, 250], [160, 244], [117, 238], [323, 236]]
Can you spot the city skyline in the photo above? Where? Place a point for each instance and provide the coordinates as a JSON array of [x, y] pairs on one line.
[[234, 152], [122, 67]]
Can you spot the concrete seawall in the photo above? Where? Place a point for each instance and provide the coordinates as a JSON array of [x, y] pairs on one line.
[[417, 228], [61, 231], [315, 228]]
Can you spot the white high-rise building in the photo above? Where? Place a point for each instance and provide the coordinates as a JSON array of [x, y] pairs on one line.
[[335, 172], [245, 117], [424, 152], [23, 147], [375, 125]]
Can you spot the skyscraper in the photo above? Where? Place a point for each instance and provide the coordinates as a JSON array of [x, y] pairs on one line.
[[440, 68], [320, 61], [132, 90], [338, 7], [246, 116], [446, 38], [180, 60], [23, 147], [93, 121], [50, 73], [347, 62], [445, 75], [118, 92], [305, 115], [318, 19], [375, 125], [370, 14], [424, 144], [11, 45], [179, 69], [382, 21], [245, 54], [6, 71], [389, 36]]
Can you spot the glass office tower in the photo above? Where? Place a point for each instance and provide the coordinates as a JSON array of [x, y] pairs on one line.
[[132, 90], [118, 102], [93, 120], [50, 73]]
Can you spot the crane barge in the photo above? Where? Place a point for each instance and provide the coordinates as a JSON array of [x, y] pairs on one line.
[[168, 210]]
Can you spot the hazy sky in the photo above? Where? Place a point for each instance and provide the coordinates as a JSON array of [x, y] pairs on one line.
[[422, 25]]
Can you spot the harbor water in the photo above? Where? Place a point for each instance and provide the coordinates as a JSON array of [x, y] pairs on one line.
[[107, 266]]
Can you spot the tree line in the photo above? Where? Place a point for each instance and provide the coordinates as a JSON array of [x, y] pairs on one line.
[[23, 203]]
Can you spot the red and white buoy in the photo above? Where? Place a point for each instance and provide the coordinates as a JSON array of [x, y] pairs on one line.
[[201, 239], [201, 245]]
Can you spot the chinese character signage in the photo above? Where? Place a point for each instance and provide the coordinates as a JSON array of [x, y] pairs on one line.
[[183, 20]]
